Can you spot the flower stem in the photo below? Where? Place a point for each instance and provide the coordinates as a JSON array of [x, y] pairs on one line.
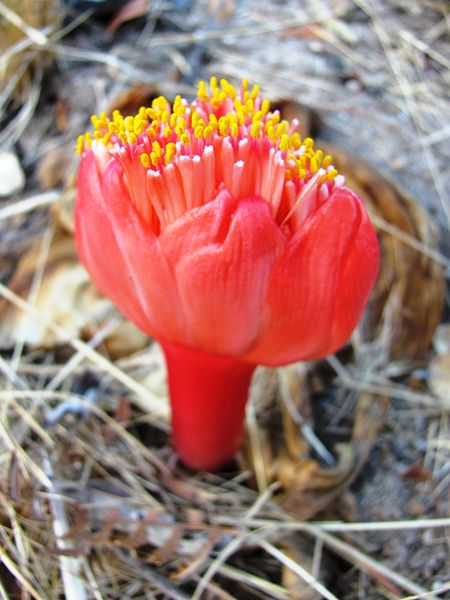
[[208, 394]]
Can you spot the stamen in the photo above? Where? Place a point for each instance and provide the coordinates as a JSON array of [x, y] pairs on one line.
[[226, 137]]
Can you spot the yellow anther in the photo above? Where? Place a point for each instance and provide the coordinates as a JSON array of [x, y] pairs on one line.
[[167, 131], [185, 139], [145, 160], [154, 158], [308, 142], [255, 129], [285, 142], [132, 139], [140, 125], [271, 133], [265, 107], [258, 116], [302, 173], [88, 140], [275, 117], [224, 125], [129, 123], [209, 130], [327, 161], [319, 155], [296, 141], [80, 144], [157, 149], [170, 153], [198, 131], [245, 85], [180, 127], [202, 93], [234, 130], [160, 103], [332, 174], [177, 103], [194, 119], [213, 83], [314, 165], [240, 117], [250, 105], [255, 92], [123, 137], [152, 131]]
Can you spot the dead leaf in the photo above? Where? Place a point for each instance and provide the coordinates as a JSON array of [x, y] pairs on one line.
[[67, 297]]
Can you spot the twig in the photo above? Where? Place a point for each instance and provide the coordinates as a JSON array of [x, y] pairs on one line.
[[271, 589], [28, 204], [37, 36], [74, 588], [298, 570]]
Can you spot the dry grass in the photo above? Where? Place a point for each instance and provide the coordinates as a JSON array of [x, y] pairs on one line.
[[93, 502]]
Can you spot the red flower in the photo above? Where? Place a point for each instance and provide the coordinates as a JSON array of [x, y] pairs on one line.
[[218, 231]]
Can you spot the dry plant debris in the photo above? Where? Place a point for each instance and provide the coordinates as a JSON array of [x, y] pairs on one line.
[[93, 502]]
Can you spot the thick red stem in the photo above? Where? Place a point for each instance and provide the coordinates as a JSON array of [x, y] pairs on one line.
[[208, 395]]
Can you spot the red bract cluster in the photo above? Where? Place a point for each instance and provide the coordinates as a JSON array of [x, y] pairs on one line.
[[221, 233]]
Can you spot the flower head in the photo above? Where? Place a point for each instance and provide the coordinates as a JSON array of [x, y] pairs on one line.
[[216, 228]]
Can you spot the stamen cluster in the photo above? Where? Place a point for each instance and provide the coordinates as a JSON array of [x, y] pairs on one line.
[[231, 132]]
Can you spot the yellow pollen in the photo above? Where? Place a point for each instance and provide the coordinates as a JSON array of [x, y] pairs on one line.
[[170, 153], [157, 149], [129, 123], [255, 92], [265, 107], [198, 131], [180, 127], [185, 139], [145, 160], [314, 165], [209, 130], [80, 144], [285, 142], [326, 161], [255, 129]]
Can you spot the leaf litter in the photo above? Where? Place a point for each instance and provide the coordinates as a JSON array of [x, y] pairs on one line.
[[341, 490]]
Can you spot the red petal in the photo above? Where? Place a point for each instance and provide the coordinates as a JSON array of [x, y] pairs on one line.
[[96, 242], [222, 286], [319, 286]]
